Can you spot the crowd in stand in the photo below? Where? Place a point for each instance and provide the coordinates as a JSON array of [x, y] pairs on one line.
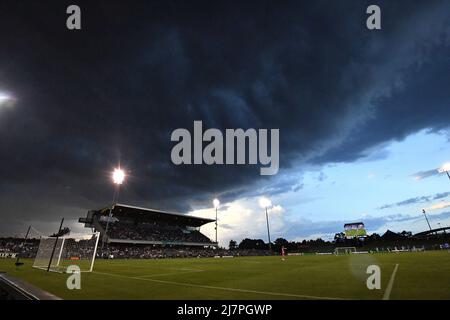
[[17, 245], [148, 231], [29, 248], [247, 247], [125, 251], [153, 252]]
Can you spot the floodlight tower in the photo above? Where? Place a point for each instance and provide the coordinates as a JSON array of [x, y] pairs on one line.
[[445, 168], [216, 204], [426, 218], [118, 176], [266, 203]]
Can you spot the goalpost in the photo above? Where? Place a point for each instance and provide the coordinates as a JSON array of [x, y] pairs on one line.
[[67, 251], [344, 250]]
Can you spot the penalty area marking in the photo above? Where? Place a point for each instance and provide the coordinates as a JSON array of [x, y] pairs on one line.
[[184, 284], [387, 293]]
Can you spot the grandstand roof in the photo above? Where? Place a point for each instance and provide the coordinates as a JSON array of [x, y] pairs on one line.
[[148, 214], [430, 232]]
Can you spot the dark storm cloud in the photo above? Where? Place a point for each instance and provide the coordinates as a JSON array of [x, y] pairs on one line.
[[115, 91]]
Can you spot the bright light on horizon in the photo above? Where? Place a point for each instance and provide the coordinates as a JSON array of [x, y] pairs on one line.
[[444, 168], [118, 176], [5, 98], [264, 202], [216, 203]]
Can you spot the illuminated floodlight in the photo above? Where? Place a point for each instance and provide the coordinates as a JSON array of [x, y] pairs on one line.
[[444, 168], [216, 203], [118, 176], [5, 99], [265, 202]]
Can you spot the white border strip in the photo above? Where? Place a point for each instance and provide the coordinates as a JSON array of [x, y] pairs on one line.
[[387, 293]]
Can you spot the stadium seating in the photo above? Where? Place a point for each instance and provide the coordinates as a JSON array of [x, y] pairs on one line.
[[148, 231], [15, 245], [120, 251]]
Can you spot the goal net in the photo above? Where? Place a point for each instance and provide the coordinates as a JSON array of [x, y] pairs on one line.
[[60, 253], [344, 250]]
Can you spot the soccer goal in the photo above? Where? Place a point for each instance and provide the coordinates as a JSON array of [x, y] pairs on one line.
[[344, 250], [60, 253]]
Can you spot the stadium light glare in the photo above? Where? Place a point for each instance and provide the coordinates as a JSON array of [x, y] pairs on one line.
[[5, 99], [216, 203], [118, 176], [445, 169], [265, 203]]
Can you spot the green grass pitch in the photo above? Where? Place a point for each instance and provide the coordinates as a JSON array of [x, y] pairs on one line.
[[421, 275]]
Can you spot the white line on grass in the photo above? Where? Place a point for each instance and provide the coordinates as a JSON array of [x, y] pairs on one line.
[[185, 269], [387, 293], [222, 288], [168, 274]]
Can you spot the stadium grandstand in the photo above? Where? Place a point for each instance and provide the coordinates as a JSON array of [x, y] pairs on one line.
[[428, 233], [130, 232], [125, 224]]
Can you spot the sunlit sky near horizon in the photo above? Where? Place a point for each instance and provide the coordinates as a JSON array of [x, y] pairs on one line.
[[349, 192]]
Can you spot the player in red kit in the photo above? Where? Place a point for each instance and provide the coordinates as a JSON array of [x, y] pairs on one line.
[[283, 253]]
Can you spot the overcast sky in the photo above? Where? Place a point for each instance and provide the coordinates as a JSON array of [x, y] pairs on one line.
[[363, 115]]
